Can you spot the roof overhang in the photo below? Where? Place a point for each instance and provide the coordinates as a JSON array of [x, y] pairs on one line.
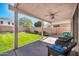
[[65, 11]]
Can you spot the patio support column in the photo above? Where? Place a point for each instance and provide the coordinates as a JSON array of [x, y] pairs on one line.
[[51, 28], [16, 28], [42, 28], [76, 29]]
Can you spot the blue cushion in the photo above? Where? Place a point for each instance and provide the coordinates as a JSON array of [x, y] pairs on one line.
[[57, 48]]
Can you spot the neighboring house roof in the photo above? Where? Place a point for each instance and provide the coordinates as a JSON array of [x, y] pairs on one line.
[[4, 18]]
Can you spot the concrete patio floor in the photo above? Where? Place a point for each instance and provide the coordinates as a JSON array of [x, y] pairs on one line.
[[37, 48]]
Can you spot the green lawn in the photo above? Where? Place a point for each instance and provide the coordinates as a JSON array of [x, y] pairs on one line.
[[7, 40]]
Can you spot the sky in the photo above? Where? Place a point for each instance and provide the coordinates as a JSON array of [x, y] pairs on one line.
[[5, 12]]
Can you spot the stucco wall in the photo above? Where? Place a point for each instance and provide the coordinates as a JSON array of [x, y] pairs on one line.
[[6, 28], [55, 30]]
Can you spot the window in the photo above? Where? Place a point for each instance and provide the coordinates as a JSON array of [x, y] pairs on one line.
[[56, 25], [12, 23], [9, 23], [1, 22]]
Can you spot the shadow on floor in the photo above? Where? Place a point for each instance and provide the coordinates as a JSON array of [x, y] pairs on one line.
[[74, 53]]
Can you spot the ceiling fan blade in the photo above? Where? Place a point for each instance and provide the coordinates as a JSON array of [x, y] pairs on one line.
[[57, 15], [47, 15], [56, 12]]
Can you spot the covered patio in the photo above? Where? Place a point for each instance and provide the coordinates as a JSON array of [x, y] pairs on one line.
[[64, 13]]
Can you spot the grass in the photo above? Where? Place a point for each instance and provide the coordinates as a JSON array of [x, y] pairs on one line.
[[7, 40]]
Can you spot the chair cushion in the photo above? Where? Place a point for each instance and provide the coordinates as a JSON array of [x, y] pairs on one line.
[[57, 48], [66, 34]]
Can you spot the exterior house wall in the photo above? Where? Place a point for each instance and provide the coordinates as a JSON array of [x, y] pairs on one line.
[[55, 30], [5, 27], [63, 28]]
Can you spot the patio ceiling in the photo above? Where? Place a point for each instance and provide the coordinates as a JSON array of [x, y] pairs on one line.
[[41, 11]]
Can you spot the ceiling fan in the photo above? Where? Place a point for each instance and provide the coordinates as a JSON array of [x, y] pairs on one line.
[[52, 16]]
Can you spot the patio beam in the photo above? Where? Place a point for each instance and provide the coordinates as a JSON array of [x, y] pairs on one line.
[[42, 28], [15, 28]]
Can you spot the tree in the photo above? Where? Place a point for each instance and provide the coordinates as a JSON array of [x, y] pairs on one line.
[[38, 24], [22, 21], [25, 23]]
